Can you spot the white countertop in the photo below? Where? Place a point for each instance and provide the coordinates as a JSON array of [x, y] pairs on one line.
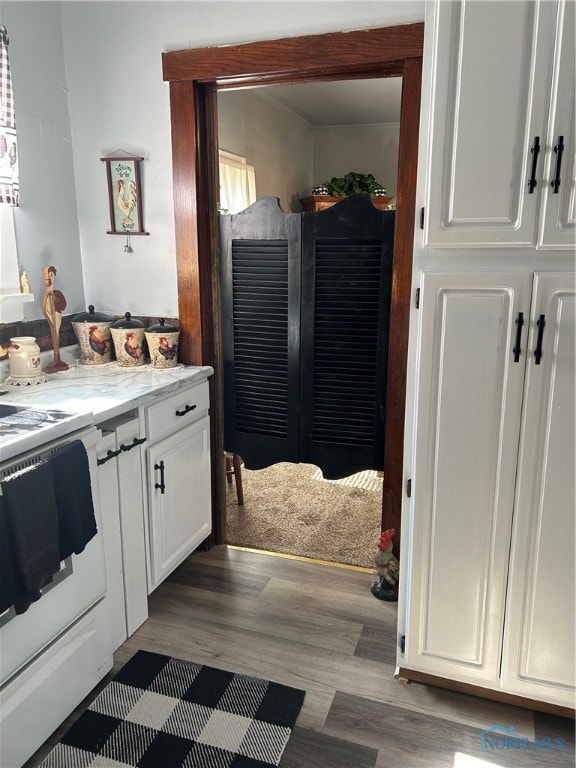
[[91, 395]]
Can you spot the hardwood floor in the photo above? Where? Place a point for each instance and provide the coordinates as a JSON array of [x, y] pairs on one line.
[[318, 627]]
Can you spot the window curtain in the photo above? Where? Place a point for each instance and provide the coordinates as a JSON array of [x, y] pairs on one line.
[[237, 183], [9, 184]]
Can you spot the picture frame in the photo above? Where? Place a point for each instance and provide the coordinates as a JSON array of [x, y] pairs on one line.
[[124, 195]]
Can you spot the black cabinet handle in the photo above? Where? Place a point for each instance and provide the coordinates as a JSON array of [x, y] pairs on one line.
[[517, 348], [535, 150], [136, 441], [161, 485], [110, 454], [187, 409], [538, 351], [559, 150]]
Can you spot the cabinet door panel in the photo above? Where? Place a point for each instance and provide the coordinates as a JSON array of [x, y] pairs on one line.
[[558, 225], [112, 533], [488, 105], [130, 486], [540, 617], [469, 408], [180, 513]]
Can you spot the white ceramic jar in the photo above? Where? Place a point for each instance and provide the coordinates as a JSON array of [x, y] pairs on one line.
[[24, 356]]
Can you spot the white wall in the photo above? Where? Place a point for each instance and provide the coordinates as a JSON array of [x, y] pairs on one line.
[[274, 140], [363, 149], [46, 222], [118, 101]]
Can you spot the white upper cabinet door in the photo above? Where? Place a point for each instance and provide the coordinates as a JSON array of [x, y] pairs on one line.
[[469, 407], [490, 98], [538, 660], [558, 222]]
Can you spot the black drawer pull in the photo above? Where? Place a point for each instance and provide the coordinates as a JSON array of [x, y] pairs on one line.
[[535, 150], [136, 441], [161, 485], [517, 348], [538, 351], [558, 149], [110, 454], [187, 409]]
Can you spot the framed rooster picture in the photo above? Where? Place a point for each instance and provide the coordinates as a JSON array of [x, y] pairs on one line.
[[124, 195]]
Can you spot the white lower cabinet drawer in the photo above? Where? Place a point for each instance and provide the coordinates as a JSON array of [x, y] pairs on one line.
[[176, 412]]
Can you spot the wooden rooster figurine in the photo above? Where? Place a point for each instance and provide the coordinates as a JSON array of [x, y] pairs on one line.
[[387, 565], [53, 304]]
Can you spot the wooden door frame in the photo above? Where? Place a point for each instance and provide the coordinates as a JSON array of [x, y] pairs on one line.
[[195, 75]]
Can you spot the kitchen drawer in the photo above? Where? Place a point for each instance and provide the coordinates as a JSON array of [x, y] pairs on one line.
[[177, 411]]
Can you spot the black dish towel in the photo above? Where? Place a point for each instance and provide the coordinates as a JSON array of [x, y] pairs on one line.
[[29, 529], [73, 492]]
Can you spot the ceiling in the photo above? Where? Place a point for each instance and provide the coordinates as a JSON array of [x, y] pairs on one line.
[[342, 102]]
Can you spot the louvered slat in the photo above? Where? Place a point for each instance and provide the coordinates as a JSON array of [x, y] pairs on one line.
[[346, 300], [260, 321]]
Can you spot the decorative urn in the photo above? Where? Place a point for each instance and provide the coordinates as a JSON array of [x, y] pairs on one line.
[[162, 340], [128, 337], [92, 330]]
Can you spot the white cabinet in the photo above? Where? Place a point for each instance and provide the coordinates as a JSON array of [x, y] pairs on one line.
[[540, 606], [490, 578], [121, 491], [558, 215], [503, 86], [178, 478]]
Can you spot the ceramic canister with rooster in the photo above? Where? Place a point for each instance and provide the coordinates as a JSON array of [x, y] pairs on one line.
[[128, 337], [92, 330], [162, 340]]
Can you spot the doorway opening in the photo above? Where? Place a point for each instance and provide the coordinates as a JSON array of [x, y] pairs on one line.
[[195, 77], [295, 138]]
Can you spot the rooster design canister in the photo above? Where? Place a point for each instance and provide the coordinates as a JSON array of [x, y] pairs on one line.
[[128, 337], [162, 340], [92, 330]]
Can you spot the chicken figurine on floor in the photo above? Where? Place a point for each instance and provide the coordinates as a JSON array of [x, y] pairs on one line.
[[386, 588]]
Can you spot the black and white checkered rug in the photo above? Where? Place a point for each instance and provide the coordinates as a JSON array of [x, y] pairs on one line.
[[160, 712]]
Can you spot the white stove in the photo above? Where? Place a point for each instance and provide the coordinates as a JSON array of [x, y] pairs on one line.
[[25, 428], [54, 653]]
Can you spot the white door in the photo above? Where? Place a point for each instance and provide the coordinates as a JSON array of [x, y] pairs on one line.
[[538, 657], [489, 105], [179, 497], [469, 406], [558, 223]]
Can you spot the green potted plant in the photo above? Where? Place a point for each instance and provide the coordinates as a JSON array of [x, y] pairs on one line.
[[354, 183]]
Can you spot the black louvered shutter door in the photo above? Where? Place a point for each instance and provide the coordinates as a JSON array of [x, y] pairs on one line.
[[346, 285], [261, 327]]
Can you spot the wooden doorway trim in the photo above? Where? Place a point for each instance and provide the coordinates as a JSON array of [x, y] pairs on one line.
[[195, 76]]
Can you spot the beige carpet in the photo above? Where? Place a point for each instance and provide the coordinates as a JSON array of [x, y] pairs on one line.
[[290, 508]]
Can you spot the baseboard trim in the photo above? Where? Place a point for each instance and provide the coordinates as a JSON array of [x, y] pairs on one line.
[[411, 675]]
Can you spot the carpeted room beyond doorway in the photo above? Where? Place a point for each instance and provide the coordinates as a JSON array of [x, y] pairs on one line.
[[291, 509]]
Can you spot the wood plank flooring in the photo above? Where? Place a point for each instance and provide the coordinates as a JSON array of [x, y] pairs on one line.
[[318, 627]]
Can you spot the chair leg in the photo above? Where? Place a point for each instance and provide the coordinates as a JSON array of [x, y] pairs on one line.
[[237, 464], [229, 470]]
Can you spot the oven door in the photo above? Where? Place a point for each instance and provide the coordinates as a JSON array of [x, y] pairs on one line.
[[80, 583]]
